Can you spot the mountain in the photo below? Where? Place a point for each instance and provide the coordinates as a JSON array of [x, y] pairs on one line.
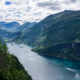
[[6, 36], [58, 35], [13, 30], [11, 26], [10, 67], [26, 26], [15, 26]]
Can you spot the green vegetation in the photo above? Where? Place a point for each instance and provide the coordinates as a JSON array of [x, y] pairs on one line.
[[57, 35], [62, 51], [10, 67]]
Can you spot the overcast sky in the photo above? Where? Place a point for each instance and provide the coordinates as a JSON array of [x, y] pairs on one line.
[[34, 10]]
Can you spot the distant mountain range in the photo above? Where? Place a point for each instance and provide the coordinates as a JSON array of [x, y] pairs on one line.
[[58, 35], [13, 30], [15, 26], [12, 26]]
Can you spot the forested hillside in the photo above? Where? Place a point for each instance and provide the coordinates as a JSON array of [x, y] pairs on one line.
[[10, 67]]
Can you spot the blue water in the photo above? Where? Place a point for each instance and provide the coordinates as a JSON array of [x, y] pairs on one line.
[[42, 68]]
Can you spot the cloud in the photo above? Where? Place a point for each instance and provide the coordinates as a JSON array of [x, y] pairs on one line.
[[37, 14], [73, 0], [44, 4], [50, 5], [34, 10], [55, 8], [59, 5]]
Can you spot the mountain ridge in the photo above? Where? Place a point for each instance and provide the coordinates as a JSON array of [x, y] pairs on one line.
[[61, 28], [55, 30]]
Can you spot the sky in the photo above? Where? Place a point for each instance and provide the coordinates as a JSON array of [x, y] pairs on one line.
[[34, 10]]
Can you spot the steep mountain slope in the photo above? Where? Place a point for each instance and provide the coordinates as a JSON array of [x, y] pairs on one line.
[[10, 67], [58, 35], [41, 30]]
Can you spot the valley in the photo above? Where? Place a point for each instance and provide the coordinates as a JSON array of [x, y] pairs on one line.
[[49, 49], [57, 35]]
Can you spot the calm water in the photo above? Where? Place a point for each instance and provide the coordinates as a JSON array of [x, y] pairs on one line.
[[39, 67]]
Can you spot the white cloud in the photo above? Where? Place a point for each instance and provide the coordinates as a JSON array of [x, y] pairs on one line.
[[34, 10]]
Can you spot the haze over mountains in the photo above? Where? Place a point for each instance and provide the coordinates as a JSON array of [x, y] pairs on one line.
[[58, 35], [12, 26], [12, 30], [15, 26]]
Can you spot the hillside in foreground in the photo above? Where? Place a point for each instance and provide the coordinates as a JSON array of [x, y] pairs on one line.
[[10, 67]]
